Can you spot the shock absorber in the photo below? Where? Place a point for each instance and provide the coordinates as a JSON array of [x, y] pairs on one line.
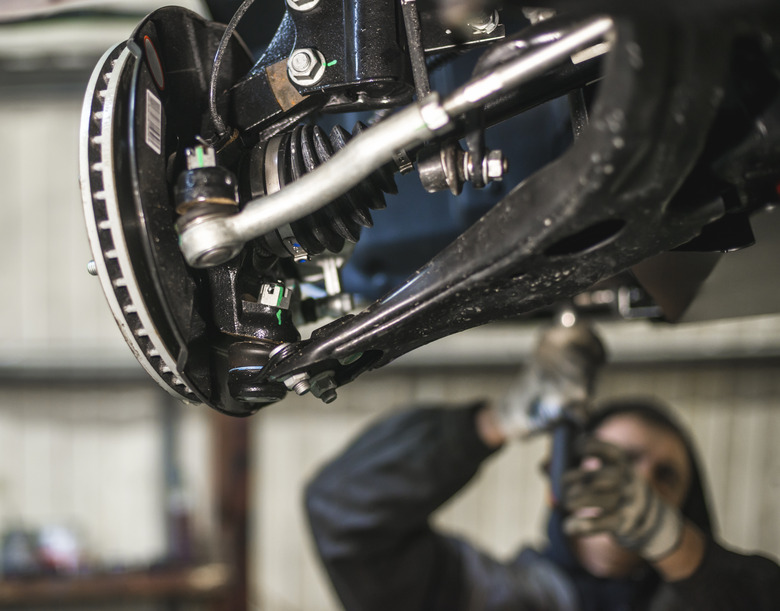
[[288, 156]]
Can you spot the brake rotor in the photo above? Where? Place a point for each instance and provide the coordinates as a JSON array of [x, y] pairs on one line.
[[146, 101]]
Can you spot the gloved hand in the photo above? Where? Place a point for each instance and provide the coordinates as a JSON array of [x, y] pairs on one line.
[[556, 383], [614, 498]]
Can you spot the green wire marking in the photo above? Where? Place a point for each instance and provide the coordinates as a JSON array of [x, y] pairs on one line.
[[279, 305]]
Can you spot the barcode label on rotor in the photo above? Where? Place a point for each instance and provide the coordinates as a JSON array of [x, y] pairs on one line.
[[153, 122]]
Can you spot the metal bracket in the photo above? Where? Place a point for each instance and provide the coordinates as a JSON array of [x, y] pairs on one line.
[[605, 205]]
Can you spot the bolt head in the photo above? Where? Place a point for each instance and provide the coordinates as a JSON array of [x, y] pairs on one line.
[[299, 383], [323, 386], [306, 67], [301, 388], [328, 396], [301, 63], [485, 23]]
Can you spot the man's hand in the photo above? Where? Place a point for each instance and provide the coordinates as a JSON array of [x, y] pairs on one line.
[[606, 494], [556, 383]]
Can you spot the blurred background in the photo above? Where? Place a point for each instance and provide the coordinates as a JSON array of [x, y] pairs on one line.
[[115, 496]]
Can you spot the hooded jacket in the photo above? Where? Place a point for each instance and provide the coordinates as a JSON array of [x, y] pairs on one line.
[[369, 515]]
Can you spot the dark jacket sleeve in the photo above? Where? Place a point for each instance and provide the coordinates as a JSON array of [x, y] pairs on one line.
[[368, 511], [728, 581]]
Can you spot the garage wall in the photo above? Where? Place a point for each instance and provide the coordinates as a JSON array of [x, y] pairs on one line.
[[731, 408]]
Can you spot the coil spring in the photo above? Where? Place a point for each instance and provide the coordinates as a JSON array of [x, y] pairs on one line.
[[289, 156]]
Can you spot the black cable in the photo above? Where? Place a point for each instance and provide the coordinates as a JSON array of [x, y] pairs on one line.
[[434, 62], [216, 120]]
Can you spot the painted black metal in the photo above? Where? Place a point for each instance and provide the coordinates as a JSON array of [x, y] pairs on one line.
[[663, 160], [237, 313], [177, 297], [411, 15], [613, 192], [246, 383], [437, 36], [552, 84], [364, 44], [367, 65], [244, 334]]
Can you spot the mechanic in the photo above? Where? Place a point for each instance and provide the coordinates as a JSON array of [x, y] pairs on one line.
[[632, 530]]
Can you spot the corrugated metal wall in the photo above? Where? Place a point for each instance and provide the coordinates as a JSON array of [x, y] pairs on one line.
[[78, 458], [52, 310], [731, 408], [85, 451]]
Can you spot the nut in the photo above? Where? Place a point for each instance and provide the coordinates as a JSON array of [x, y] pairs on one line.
[[323, 386], [306, 67], [495, 166], [486, 23]]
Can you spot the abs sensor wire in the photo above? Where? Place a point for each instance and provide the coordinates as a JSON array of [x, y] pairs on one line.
[[216, 120]]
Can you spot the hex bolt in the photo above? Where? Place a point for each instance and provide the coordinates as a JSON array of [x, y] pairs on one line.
[[485, 23], [306, 67], [299, 383], [302, 5], [301, 62], [323, 386], [328, 396], [301, 388]]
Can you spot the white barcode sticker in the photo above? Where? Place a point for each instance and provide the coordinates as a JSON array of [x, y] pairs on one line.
[[153, 122]]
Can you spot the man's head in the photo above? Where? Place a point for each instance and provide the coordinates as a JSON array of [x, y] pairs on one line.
[[662, 455]]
